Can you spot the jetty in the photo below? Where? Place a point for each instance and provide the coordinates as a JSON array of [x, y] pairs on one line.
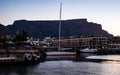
[[60, 55]]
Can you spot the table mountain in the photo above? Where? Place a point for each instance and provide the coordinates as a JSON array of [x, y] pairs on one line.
[[45, 28]]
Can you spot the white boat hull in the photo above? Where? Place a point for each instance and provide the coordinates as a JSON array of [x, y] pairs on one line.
[[87, 50]]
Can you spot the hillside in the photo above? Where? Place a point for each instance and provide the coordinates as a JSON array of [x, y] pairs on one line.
[[44, 28]]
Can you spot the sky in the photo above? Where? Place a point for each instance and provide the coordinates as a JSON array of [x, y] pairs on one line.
[[104, 12]]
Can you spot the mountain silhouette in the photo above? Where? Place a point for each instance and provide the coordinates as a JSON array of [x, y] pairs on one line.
[[50, 28]]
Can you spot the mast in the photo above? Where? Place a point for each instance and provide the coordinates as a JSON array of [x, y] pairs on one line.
[[60, 25]]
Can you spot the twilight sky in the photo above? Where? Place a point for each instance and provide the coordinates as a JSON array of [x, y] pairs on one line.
[[105, 12]]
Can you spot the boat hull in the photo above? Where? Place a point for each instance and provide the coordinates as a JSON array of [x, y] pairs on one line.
[[19, 56], [87, 50]]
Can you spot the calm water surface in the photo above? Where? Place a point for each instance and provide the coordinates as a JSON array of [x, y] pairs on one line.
[[64, 67]]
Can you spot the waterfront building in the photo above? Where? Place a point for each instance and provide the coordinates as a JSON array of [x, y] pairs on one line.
[[113, 46], [82, 42]]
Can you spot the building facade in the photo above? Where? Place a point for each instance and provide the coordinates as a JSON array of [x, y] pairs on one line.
[[82, 42]]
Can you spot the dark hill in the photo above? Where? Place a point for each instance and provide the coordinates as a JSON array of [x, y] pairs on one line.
[[2, 28], [41, 29]]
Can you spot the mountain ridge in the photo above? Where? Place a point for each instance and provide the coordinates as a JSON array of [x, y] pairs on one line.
[[45, 28]]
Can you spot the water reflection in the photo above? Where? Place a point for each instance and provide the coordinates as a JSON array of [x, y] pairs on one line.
[[110, 62], [65, 67], [17, 69]]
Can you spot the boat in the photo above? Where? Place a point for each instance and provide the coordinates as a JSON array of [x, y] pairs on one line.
[[20, 53], [88, 50], [66, 49]]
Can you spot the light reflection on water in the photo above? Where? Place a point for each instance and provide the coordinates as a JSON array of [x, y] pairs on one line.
[[64, 67], [110, 62]]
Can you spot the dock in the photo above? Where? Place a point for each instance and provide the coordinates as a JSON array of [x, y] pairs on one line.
[[60, 55]]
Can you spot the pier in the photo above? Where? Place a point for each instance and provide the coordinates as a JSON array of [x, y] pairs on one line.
[[60, 55]]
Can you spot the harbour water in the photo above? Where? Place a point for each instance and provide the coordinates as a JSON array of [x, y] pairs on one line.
[[65, 67]]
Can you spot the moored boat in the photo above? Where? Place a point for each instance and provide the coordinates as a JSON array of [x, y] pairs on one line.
[[29, 56], [20, 54], [89, 50]]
